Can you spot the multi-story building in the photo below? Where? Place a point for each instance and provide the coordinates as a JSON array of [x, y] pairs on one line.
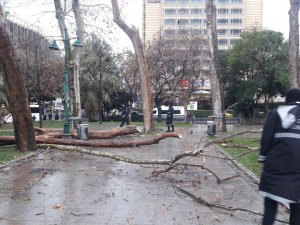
[[180, 17]]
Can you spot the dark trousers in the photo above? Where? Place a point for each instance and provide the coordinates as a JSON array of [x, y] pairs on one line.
[[125, 120], [172, 126], [271, 209]]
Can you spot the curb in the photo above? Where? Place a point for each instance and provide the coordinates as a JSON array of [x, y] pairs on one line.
[[15, 162], [245, 170]]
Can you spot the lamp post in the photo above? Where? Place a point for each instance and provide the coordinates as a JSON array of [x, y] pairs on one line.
[[54, 46]]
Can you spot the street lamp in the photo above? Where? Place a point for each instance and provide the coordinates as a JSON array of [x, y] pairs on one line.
[[54, 46]]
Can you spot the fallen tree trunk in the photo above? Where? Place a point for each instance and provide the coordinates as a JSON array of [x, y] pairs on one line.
[[92, 134], [45, 139]]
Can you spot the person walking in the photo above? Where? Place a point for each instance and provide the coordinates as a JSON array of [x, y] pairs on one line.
[[280, 154], [170, 118], [125, 115]]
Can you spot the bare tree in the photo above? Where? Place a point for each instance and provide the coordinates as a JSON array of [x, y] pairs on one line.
[[177, 66], [16, 93], [294, 44], [215, 72], [129, 71], [134, 36]]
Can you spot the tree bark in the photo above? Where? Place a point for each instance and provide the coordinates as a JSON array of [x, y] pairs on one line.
[[60, 16], [92, 134], [16, 92], [77, 54], [215, 72], [134, 36], [294, 44]]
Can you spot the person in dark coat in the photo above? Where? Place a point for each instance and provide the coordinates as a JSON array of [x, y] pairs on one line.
[[280, 153], [170, 118], [125, 115]]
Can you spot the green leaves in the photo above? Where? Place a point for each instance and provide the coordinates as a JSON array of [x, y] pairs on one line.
[[257, 67]]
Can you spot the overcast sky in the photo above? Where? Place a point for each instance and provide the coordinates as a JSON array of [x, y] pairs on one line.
[[41, 13]]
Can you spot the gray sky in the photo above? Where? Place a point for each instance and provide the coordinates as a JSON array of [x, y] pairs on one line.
[[41, 13]]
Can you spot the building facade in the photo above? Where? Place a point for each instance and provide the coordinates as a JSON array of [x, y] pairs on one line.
[[180, 17]]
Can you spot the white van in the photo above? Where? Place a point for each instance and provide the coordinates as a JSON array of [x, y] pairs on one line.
[[34, 113], [178, 112]]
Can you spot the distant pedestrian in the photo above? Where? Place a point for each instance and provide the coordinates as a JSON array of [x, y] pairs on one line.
[[56, 116], [44, 117], [170, 118], [50, 116], [280, 153], [125, 115]]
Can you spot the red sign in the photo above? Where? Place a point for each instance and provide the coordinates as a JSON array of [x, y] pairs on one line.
[[184, 83]]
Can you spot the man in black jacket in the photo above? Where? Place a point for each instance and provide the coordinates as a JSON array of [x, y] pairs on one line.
[[125, 115], [280, 153], [170, 118]]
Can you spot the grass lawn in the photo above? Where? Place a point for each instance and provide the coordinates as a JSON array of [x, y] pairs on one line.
[[8, 153], [248, 160]]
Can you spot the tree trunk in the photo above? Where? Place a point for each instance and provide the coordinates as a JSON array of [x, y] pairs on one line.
[[294, 44], [44, 139], [134, 36], [215, 72], [77, 53], [68, 57], [16, 93], [92, 134]]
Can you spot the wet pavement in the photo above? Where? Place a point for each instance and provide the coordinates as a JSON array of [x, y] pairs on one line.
[[55, 187]]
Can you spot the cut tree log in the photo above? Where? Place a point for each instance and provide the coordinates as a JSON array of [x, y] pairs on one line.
[[92, 134], [45, 139]]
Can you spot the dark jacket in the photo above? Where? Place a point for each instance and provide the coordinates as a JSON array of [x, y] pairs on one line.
[[280, 152], [125, 112], [170, 115]]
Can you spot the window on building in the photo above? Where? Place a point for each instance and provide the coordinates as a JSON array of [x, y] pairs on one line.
[[236, 21], [196, 1], [196, 22], [196, 11], [236, 32], [223, 1], [222, 11], [222, 21], [237, 1], [170, 22], [170, 1], [170, 11], [183, 11], [222, 31], [183, 32], [169, 32], [183, 22], [236, 11], [222, 42], [233, 42], [183, 2], [196, 32], [204, 31]]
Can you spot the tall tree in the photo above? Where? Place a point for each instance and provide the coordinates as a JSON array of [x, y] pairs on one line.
[[217, 89], [294, 63], [130, 75], [257, 70], [77, 55], [16, 93], [99, 76], [134, 36], [177, 65]]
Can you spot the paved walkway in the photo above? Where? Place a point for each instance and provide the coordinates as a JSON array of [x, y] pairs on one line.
[[76, 189]]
